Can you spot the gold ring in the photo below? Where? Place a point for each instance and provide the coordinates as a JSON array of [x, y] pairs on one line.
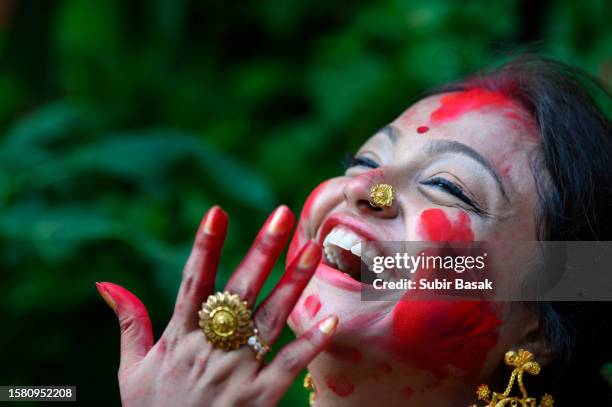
[[226, 321], [381, 195]]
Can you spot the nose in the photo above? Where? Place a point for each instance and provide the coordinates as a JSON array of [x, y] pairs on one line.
[[357, 195]]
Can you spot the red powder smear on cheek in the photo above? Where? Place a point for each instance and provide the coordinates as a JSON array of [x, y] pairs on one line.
[[341, 387], [422, 129], [345, 354], [300, 235], [435, 334], [306, 209], [454, 105], [312, 305], [435, 226]]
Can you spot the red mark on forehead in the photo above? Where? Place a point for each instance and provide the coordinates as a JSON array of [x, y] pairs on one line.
[[456, 104], [422, 129], [436, 334], [341, 387], [345, 354], [436, 226], [312, 305]]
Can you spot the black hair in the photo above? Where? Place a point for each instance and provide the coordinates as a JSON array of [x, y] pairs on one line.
[[573, 167]]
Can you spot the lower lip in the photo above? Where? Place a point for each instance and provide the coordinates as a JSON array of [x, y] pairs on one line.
[[337, 278]]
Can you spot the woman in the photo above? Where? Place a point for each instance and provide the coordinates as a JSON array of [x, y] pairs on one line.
[[517, 154]]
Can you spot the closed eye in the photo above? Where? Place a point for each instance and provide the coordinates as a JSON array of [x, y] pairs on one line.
[[453, 189], [360, 162]]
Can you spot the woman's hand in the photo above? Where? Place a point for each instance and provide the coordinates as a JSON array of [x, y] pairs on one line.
[[183, 368]]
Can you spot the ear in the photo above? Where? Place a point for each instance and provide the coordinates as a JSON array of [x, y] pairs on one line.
[[534, 340]]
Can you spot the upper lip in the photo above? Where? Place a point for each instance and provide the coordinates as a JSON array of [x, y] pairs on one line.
[[347, 221]]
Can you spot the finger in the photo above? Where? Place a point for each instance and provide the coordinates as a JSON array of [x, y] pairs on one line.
[[294, 357], [271, 316], [134, 322], [201, 269], [252, 272]]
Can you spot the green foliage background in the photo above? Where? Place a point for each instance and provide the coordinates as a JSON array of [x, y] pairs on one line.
[[123, 122]]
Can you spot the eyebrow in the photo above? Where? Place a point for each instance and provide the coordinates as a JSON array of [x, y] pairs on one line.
[[449, 146], [392, 132]]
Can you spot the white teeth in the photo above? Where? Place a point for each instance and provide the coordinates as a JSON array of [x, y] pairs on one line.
[[348, 240], [341, 238]]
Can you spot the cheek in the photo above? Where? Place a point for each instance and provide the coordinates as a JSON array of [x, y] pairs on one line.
[[436, 334], [313, 200], [303, 231], [434, 225]]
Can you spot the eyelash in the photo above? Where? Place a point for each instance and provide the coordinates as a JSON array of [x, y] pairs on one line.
[[453, 189], [352, 161]]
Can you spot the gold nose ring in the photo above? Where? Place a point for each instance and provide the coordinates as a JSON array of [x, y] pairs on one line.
[[381, 195]]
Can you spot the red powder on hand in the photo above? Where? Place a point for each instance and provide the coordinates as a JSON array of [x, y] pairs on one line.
[[422, 129]]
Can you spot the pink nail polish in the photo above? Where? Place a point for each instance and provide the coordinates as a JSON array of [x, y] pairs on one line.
[[106, 296], [279, 223], [310, 256], [328, 325]]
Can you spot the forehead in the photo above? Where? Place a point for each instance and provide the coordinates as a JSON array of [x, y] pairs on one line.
[[468, 114], [489, 122]]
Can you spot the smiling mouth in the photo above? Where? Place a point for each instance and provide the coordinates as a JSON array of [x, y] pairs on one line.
[[342, 248]]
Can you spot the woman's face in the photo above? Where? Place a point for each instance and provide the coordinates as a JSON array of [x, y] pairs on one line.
[[460, 166]]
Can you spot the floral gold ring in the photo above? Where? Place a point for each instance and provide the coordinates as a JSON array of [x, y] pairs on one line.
[[225, 320]]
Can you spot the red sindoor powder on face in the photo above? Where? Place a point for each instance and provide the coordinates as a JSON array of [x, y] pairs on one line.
[[454, 105], [436, 227], [312, 305], [339, 386], [435, 334]]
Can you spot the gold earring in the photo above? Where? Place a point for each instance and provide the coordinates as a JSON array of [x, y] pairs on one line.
[[381, 195], [522, 361]]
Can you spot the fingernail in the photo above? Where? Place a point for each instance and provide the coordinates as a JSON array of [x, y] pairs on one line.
[[212, 223], [310, 255], [328, 325], [106, 296], [279, 224]]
